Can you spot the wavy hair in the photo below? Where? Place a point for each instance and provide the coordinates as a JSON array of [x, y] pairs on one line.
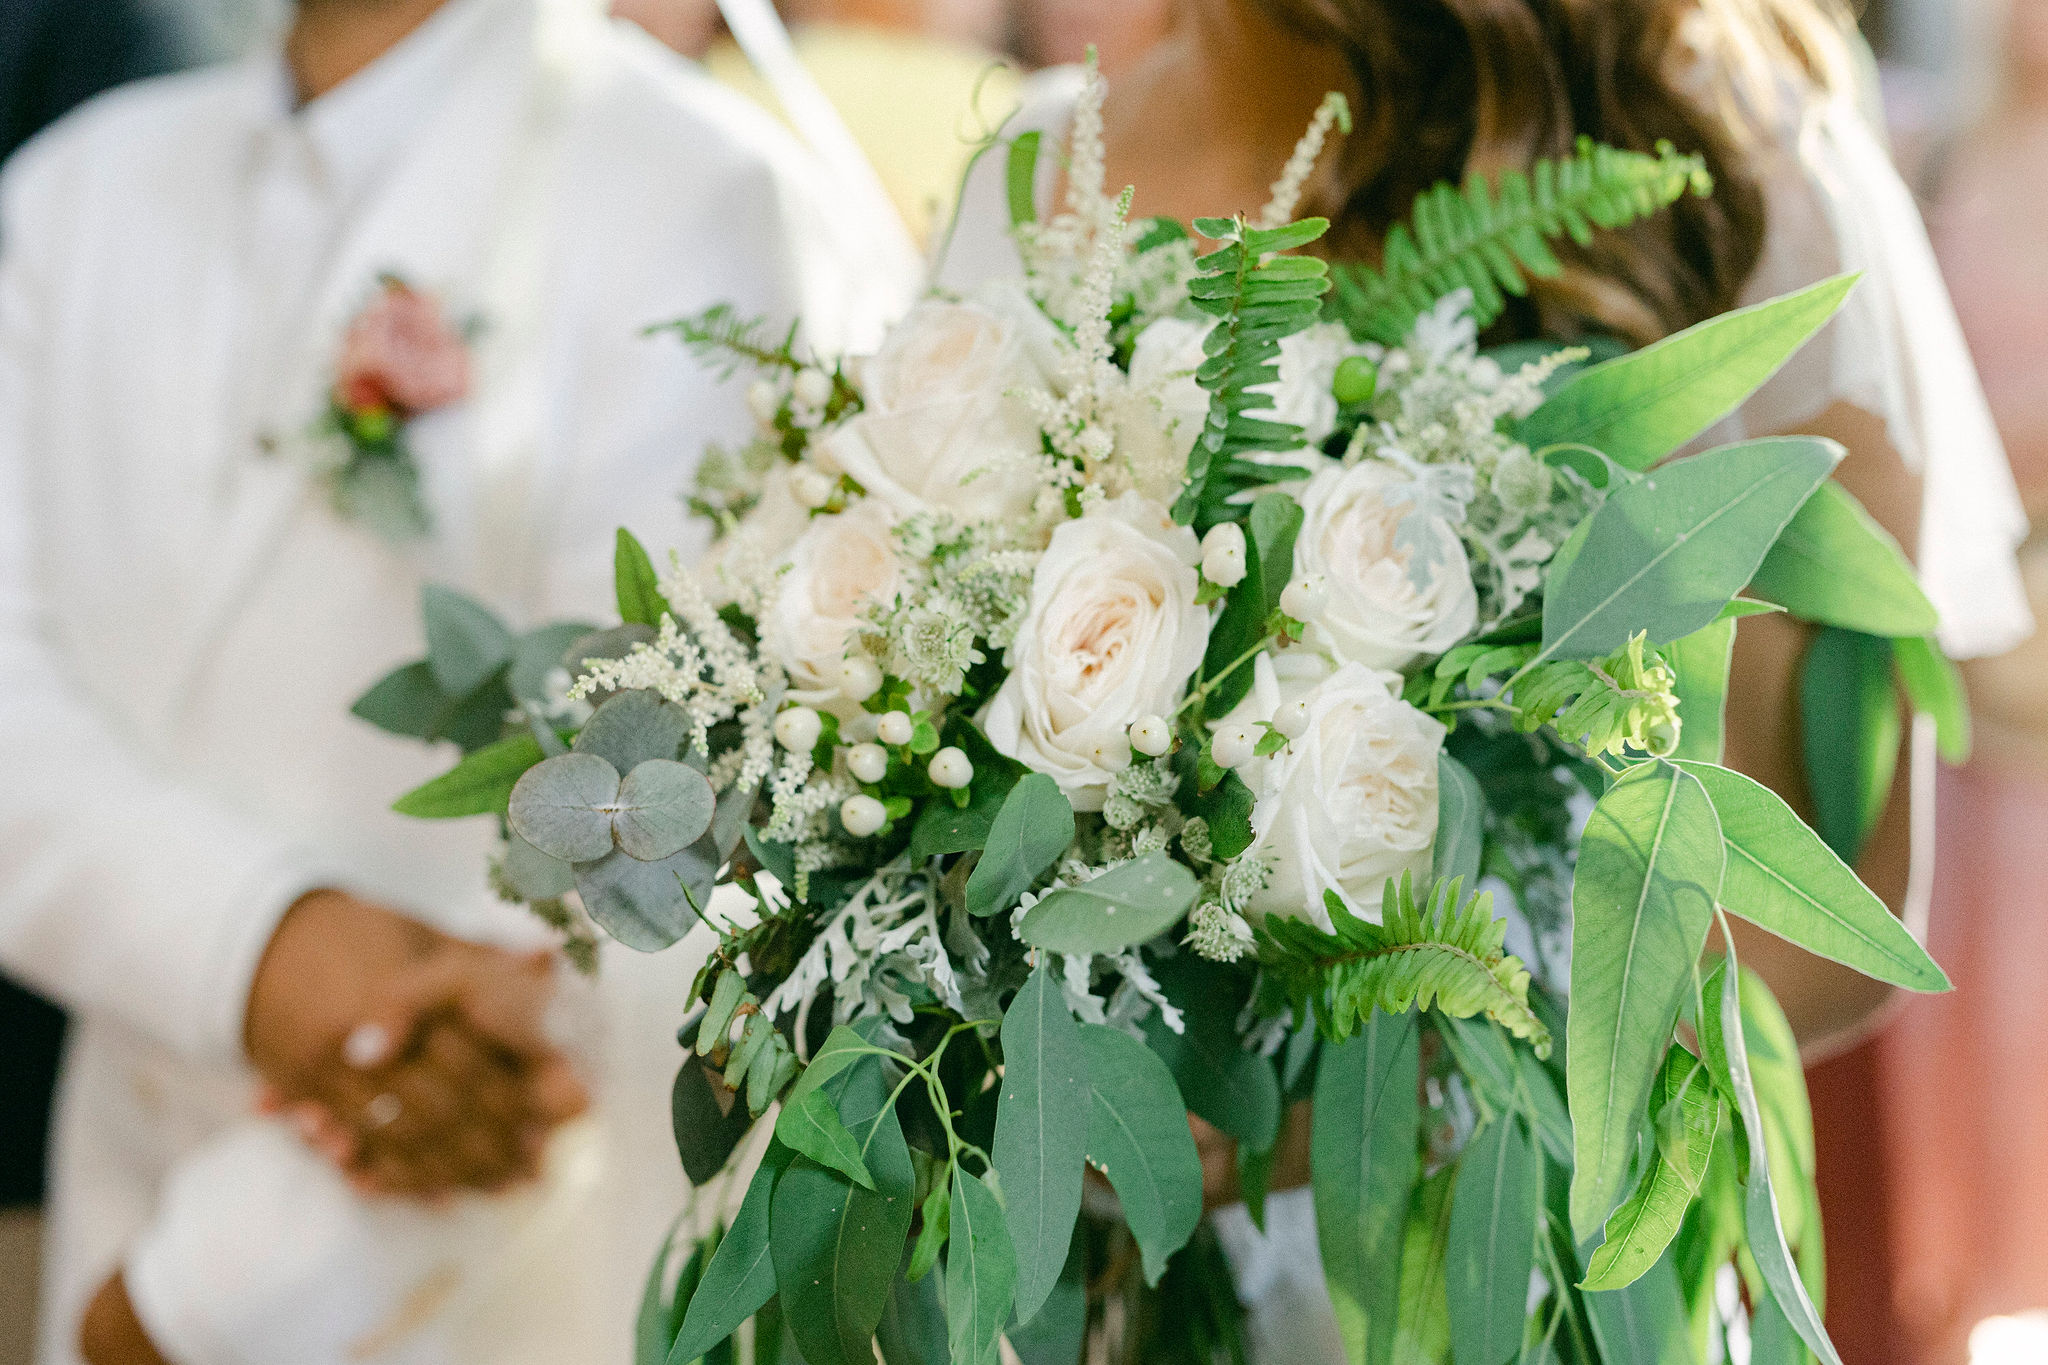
[[1453, 86]]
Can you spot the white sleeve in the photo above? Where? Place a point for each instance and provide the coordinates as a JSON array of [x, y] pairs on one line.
[[1835, 203], [121, 891]]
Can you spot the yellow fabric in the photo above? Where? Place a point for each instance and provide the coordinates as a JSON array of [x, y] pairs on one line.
[[910, 101]]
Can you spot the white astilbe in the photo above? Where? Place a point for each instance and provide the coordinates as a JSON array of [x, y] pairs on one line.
[[885, 941], [1077, 419], [1280, 209]]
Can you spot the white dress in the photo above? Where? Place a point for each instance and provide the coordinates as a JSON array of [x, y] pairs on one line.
[[1834, 203], [184, 622]]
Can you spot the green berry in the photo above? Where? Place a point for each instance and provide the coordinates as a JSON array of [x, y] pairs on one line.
[[1357, 380]]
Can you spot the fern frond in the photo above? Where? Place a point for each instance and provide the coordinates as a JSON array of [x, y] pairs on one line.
[[1436, 954], [1489, 239], [724, 339], [1257, 297]]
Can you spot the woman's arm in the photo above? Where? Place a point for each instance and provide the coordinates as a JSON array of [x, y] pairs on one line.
[[1829, 1005]]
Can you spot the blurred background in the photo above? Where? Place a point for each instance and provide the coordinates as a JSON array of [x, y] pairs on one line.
[[1933, 1136]]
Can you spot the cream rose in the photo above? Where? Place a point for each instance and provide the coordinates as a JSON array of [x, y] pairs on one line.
[[839, 567], [1111, 636], [1399, 584], [942, 427], [1350, 802]]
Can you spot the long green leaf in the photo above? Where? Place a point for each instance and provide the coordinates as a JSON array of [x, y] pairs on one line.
[[1033, 828], [639, 591], [1138, 1137], [1781, 877], [1494, 1209], [1460, 823], [1643, 896], [812, 1126], [1041, 1139], [1644, 1322], [1509, 1081], [1936, 689], [1849, 729], [1269, 559], [740, 1278], [981, 1274], [1640, 1230], [1665, 554], [1836, 566], [1125, 905], [1364, 1159], [466, 643], [1640, 407], [1700, 661], [480, 784]]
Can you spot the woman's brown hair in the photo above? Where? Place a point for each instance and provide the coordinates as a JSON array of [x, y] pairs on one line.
[[1453, 86]]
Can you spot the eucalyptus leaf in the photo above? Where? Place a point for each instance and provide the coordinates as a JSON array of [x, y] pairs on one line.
[[1138, 1137], [1032, 829], [1781, 877], [1643, 894], [1936, 689], [981, 1274], [562, 806], [913, 1326], [406, 701], [811, 1126], [481, 784], [663, 807], [1700, 661], [740, 1277], [707, 1119], [1642, 1227], [1460, 822], [1364, 1157], [537, 655], [535, 875], [1643, 1322], [466, 643], [1640, 407], [1495, 1204], [646, 906], [1849, 731], [1665, 555], [841, 1049], [1058, 1330], [1041, 1139], [633, 727], [1222, 1081], [1126, 905], [1274, 522], [1834, 565]]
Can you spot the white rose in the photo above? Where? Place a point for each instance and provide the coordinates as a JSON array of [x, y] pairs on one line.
[[1111, 636], [839, 567], [1395, 592], [763, 535], [942, 426], [1350, 802]]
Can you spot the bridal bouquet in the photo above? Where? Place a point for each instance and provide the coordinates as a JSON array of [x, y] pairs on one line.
[[1171, 682]]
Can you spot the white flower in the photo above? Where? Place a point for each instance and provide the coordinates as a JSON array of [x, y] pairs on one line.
[[1399, 585], [836, 569], [1304, 394], [1350, 802], [944, 425], [1110, 637]]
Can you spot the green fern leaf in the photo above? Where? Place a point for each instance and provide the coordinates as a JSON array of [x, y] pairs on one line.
[[1489, 238], [1437, 954], [724, 340], [1257, 296]]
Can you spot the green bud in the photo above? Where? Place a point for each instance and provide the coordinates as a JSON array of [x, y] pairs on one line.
[[1357, 380]]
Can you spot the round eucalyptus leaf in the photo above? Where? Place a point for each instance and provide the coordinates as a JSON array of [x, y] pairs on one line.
[[535, 875], [563, 807], [646, 906], [632, 728], [664, 806]]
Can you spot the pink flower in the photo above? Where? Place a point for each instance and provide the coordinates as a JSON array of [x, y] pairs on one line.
[[401, 355]]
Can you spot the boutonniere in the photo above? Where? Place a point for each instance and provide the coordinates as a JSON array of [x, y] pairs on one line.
[[401, 358]]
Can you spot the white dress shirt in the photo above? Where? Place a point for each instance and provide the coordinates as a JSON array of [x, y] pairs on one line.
[[184, 620]]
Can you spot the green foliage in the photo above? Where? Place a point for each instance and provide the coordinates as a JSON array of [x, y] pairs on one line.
[[944, 828], [1645, 1321], [1248, 608], [1643, 895], [722, 339], [1041, 1134], [639, 591], [1642, 1227], [1138, 1137], [740, 1277], [1699, 665], [1222, 1082], [1257, 296], [1126, 905], [1032, 829], [1935, 689], [1437, 953], [1836, 566], [981, 1273], [1495, 1206], [811, 1127], [1020, 176], [633, 727], [1460, 823], [1364, 1156], [1638, 408], [1849, 730], [1489, 238], [481, 784], [466, 644]]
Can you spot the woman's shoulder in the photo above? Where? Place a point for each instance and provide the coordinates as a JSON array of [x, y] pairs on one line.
[[979, 246]]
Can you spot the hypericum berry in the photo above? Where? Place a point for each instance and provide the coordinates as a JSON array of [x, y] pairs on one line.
[[813, 387], [895, 728], [810, 487], [1151, 736], [1223, 554], [1291, 719], [859, 679], [764, 400], [798, 728], [1233, 745], [867, 762], [862, 815], [950, 768], [1356, 381], [1305, 597], [1113, 753]]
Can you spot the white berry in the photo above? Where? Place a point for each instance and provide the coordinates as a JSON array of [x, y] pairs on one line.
[[1151, 736], [1233, 745], [862, 815], [764, 400], [867, 762], [895, 728], [810, 487], [1223, 554], [1112, 753], [798, 728], [859, 679], [1305, 597], [1291, 719], [950, 768], [813, 387]]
